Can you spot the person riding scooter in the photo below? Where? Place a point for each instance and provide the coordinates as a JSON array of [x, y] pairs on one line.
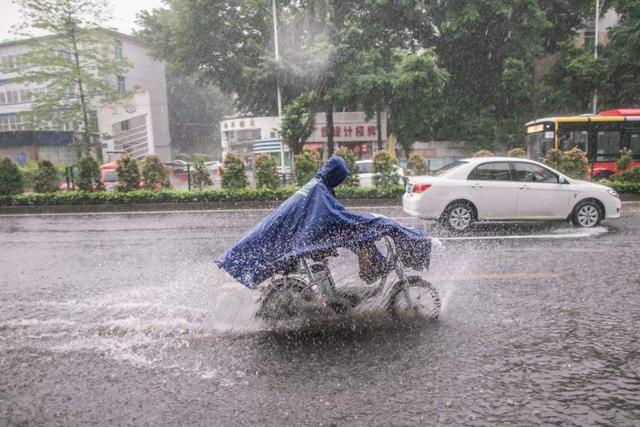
[[312, 223]]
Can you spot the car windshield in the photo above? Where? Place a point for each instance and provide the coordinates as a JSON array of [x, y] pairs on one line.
[[448, 168]]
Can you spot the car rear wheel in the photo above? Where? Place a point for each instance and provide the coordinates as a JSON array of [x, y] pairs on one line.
[[458, 217], [586, 214]]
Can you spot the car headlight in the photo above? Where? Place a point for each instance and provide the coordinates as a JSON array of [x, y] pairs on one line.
[[613, 193]]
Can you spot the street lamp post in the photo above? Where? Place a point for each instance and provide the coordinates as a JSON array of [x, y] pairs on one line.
[[595, 54]]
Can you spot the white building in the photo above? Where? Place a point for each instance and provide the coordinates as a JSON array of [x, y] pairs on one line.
[[350, 129], [139, 126]]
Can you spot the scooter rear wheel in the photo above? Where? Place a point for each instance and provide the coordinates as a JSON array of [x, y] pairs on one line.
[[416, 297]]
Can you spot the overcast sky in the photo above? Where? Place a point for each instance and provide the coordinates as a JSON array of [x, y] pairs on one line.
[[124, 15]]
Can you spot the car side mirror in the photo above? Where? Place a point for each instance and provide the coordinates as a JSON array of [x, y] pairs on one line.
[[563, 180]]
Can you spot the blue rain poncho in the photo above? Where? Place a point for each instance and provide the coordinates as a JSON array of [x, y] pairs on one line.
[[311, 222]]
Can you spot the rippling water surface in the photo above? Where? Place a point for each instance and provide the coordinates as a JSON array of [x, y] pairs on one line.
[[124, 319]]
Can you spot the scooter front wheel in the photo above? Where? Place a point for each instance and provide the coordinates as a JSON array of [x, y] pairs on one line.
[[415, 297], [283, 298]]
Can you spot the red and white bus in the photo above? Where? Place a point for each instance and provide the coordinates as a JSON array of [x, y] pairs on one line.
[[601, 136]]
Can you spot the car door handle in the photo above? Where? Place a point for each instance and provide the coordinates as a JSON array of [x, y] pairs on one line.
[[476, 185], [525, 187]]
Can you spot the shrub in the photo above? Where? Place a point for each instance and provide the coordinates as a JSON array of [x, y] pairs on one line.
[[483, 153], [307, 164], [384, 170], [575, 163], [630, 175], [553, 158], [517, 152], [88, 178], [128, 174], [266, 171], [47, 178], [233, 175], [624, 159], [153, 174], [416, 165], [28, 173], [352, 180], [572, 162], [10, 178], [200, 175]]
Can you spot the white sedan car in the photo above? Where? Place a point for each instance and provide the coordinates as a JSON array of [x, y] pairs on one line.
[[505, 188]]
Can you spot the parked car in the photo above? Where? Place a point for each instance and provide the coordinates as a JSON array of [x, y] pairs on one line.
[[504, 188], [365, 173]]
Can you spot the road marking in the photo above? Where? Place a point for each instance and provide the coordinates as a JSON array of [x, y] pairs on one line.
[[511, 276]]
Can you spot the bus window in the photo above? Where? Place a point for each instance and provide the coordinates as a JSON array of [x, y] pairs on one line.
[[633, 143], [572, 135], [608, 143]]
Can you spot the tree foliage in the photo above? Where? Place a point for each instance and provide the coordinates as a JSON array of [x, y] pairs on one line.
[[307, 164], [200, 176], [352, 180], [384, 170], [153, 173], [72, 71], [128, 174], [233, 172], [88, 178], [416, 165], [298, 121], [266, 171], [10, 178], [47, 178]]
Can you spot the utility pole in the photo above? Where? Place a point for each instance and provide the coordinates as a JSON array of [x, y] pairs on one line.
[[275, 42], [595, 54]]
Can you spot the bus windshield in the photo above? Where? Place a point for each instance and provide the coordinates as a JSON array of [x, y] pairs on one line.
[[538, 144]]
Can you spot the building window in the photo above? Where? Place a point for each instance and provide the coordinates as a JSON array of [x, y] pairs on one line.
[[121, 86], [3, 98], [118, 49], [124, 125]]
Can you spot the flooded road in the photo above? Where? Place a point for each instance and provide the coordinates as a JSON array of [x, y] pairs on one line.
[[124, 319]]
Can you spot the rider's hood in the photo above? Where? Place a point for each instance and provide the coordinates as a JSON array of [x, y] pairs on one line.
[[333, 172]]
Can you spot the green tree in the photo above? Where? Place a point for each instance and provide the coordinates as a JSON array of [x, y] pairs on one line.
[[195, 113], [307, 164], [416, 86], [352, 180], [88, 178], [416, 165], [621, 56], [625, 158], [384, 170], [153, 174], [47, 178], [266, 171], [233, 172], [200, 175], [10, 178], [73, 70], [298, 121], [128, 174]]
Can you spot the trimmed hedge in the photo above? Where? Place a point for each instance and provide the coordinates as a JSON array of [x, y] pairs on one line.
[[177, 196], [622, 186]]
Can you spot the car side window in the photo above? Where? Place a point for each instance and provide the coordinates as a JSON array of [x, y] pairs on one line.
[[495, 171], [529, 172]]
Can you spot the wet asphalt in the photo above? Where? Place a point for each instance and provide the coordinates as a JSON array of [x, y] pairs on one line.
[[123, 319]]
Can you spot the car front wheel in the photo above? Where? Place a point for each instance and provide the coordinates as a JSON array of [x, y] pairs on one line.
[[586, 214], [458, 217]]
